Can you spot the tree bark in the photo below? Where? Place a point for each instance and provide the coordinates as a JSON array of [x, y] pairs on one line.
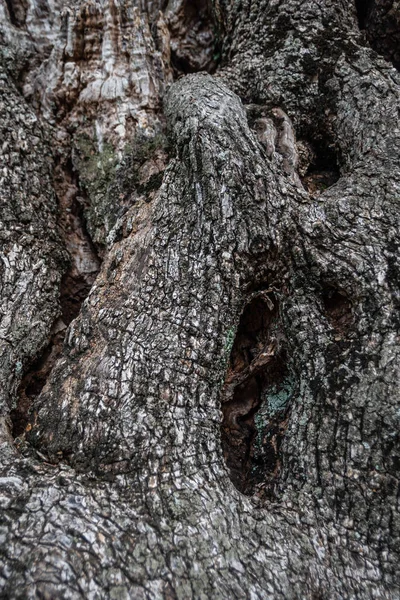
[[222, 420]]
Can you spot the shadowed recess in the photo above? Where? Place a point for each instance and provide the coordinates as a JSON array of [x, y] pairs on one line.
[[338, 310], [363, 8], [75, 286], [17, 12], [256, 398], [194, 44], [319, 169], [34, 381]]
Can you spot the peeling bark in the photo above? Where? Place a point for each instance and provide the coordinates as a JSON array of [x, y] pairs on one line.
[[248, 294]]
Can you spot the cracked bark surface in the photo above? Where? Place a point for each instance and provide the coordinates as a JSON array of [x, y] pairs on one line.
[[33, 258], [228, 280]]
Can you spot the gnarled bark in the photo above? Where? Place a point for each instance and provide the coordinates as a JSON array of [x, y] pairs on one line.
[[252, 298]]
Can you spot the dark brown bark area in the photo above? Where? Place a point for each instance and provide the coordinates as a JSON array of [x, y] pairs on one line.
[[252, 300], [381, 21]]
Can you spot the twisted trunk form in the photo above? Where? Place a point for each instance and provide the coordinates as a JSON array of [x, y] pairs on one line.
[[222, 420]]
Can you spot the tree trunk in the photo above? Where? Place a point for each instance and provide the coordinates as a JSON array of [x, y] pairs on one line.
[[219, 417]]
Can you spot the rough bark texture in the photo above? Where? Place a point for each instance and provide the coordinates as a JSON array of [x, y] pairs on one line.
[[381, 21], [222, 420]]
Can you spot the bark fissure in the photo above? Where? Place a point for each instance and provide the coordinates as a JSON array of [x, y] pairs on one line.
[[75, 285], [228, 290], [364, 8], [194, 43], [33, 382], [85, 261], [319, 169], [17, 15], [338, 310], [255, 397]]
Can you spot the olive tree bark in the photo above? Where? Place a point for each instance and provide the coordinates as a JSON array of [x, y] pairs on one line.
[[223, 418]]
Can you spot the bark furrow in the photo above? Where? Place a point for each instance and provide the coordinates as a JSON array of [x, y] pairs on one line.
[[223, 419]]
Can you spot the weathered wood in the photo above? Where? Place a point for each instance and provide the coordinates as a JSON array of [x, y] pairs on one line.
[[233, 286]]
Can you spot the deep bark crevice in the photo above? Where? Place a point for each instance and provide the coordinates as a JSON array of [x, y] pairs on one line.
[[363, 8], [17, 12], [75, 286], [255, 398], [338, 310], [321, 170], [34, 381], [380, 20], [78, 280], [195, 45]]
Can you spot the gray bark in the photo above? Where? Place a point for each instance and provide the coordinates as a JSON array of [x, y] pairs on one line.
[[222, 420]]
